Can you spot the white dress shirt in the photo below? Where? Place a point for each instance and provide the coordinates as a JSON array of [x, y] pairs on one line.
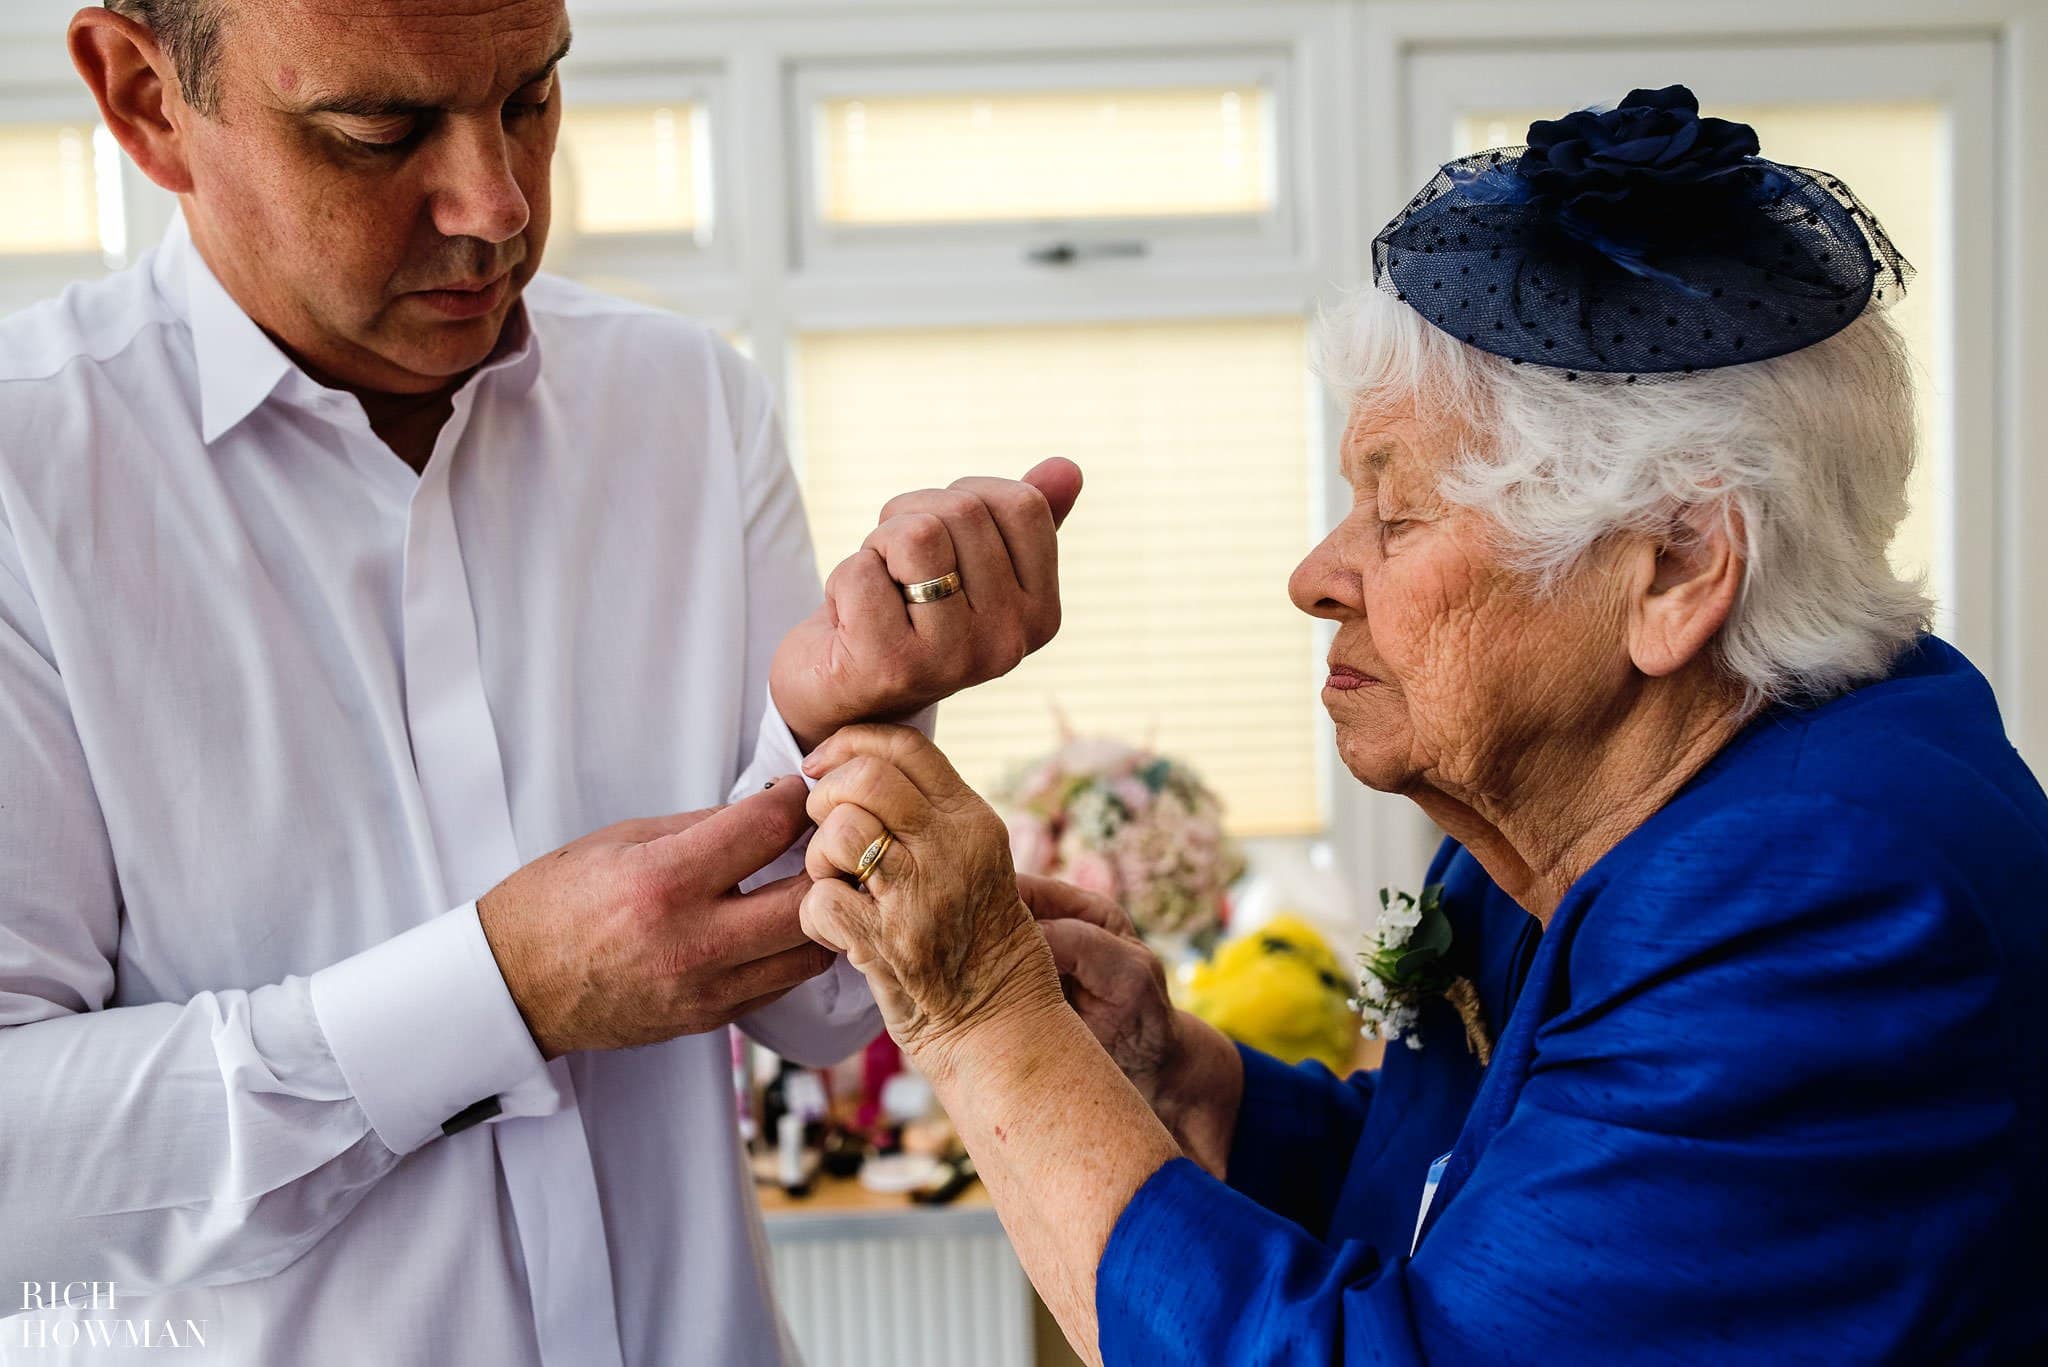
[[274, 711]]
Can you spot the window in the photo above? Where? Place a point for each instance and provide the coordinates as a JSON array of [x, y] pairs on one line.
[[1100, 230], [639, 206], [967, 166], [56, 178], [634, 169], [1037, 155], [1196, 440], [66, 215]]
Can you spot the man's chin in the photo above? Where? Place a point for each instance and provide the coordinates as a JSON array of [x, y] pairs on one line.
[[448, 350]]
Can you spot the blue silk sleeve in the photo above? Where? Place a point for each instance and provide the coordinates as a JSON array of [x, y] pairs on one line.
[[1296, 1131], [1769, 1113]]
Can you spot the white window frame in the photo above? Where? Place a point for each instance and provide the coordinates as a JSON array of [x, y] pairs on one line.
[[977, 249], [678, 264], [26, 276]]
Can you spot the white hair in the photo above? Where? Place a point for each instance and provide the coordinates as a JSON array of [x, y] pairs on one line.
[[1804, 459]]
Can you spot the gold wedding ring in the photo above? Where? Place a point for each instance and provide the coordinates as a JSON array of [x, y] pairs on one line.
[[870, 858], [932, 590]]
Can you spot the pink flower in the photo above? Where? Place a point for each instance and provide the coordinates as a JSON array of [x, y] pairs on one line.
[[1031, 844], [1133, 793], [1091, 872], [1084, 754], [1039, 783]]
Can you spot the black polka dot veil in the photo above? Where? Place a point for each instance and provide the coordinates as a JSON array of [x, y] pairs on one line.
[[1640, 241]]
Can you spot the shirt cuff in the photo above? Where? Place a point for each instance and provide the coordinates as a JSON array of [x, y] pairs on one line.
[[425, 1032], [775, 754]]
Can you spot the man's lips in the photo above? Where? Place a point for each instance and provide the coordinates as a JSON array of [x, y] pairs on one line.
[[469, 299], [1344, 679]]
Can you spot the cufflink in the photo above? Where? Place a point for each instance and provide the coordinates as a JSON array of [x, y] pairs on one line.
[[471, 1115]]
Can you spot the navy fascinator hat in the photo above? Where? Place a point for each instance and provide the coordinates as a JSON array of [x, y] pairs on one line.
[[1644, 240]]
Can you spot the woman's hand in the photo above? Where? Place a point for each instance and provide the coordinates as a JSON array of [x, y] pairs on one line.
[[1188, 1073], [1115, 983], [940, 931]]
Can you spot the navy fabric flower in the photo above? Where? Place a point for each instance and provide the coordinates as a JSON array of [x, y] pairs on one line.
[[1653, 137], [1640, 241]]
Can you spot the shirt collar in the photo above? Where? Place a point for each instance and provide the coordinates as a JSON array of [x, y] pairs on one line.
[[239, 366]]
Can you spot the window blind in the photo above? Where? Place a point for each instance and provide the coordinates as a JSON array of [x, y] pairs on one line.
[[1195, 438]]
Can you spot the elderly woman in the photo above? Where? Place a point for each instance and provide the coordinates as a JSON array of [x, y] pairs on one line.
[[1744, 877]]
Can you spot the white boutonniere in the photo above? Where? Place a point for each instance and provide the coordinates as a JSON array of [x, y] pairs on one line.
[[1404, 965]]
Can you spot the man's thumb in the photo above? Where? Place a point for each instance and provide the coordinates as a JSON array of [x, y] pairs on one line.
[[738, 841], [1059, 479]]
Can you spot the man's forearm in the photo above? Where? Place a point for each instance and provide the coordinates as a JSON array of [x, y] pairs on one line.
[[224, 1100]]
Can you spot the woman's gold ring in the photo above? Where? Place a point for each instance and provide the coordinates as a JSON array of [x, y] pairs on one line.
[[870, 858], [932, 590]]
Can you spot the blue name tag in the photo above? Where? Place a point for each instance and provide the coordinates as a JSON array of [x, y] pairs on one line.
[[1429, 1186]]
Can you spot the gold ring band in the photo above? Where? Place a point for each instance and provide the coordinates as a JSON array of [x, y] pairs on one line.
[[932, 590], [871, 858]]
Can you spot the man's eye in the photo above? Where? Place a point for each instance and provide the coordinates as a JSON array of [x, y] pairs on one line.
[[381, 137], [531, 102]]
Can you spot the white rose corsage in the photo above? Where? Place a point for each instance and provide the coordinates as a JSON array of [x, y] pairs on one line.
[[1404, 966]]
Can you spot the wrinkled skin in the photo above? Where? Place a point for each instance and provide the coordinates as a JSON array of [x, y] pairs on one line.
[[1472, 670], [1537, 727], [940, 929]]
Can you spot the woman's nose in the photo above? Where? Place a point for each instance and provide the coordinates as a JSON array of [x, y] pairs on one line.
[[479, 196], [1326, 583]]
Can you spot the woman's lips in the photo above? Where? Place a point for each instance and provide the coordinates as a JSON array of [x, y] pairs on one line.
[[1343, 678]]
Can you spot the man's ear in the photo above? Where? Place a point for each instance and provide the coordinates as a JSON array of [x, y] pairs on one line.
[[136, 86], [1683, 588]]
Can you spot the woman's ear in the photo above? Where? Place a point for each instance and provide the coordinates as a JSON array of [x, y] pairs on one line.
[[1684, 587], [131, 77]]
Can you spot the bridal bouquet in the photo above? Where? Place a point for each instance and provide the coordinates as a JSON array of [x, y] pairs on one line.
[[1128, 823]]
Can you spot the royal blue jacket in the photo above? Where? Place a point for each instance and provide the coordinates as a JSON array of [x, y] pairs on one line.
[[1769, 1088]]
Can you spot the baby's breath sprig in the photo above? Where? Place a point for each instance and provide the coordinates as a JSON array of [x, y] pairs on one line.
[[1405, 964]]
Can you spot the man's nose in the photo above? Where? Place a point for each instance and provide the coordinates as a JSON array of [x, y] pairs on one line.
[[478, 195]]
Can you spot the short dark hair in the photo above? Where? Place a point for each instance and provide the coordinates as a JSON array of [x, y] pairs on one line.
[[189, 31]]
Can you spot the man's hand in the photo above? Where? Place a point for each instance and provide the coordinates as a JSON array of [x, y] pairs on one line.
[[635, 933], [868, 655]]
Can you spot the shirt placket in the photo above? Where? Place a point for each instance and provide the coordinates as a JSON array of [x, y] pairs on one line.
[[546, 1158]]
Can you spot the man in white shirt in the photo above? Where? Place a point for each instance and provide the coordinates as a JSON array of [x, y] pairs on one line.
[[363, 610]]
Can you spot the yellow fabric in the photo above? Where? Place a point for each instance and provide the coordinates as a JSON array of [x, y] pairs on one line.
[[1281, 990]]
